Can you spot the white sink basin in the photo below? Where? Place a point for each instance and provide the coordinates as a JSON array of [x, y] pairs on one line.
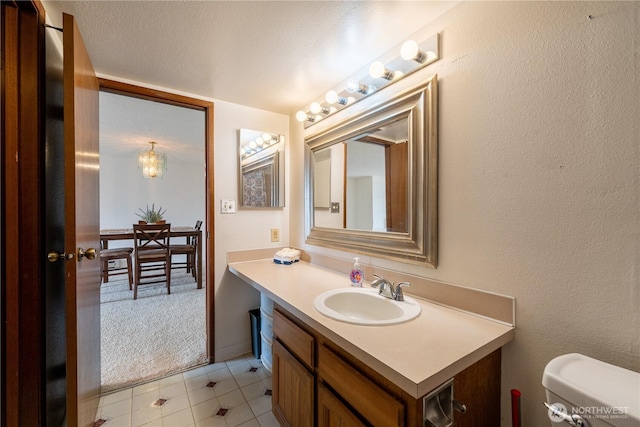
[[363, 306]]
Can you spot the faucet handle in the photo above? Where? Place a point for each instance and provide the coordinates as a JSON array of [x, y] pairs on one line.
[[399, 296], [376, 282]]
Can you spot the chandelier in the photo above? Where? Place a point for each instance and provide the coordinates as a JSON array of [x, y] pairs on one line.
[[152, 163]]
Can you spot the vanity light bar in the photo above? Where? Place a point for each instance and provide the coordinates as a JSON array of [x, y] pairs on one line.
[[260, 143], [413, 56]]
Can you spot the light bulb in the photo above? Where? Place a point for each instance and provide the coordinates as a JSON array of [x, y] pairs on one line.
[[431, 55], [409, 50], [378, 70], [315, 107], [354, 86], [260, 141], [266, 137], [301, 116], [253, 144], [331, 97]]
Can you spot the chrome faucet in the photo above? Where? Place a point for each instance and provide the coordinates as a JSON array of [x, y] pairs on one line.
[[388, 289]]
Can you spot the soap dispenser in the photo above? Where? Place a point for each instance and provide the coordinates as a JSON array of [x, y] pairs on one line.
[[356, 275]]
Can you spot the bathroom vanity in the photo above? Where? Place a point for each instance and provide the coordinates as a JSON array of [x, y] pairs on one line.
[[328, 372]]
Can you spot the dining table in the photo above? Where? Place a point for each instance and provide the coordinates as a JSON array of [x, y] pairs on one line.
[[187, 232]]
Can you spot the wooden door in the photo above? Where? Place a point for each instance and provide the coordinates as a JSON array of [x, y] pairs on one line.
[[82, 218], [40, 349], [55, 348], [396, 159]]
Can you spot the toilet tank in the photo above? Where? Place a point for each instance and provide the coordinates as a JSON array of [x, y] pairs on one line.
[[602, 394]]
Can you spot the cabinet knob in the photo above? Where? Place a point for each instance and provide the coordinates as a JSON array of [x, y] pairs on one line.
[[460, 407]]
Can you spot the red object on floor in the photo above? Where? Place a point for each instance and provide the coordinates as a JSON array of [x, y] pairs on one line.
[[515, 407]]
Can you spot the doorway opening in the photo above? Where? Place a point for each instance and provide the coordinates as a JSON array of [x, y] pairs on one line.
[[167, 333]]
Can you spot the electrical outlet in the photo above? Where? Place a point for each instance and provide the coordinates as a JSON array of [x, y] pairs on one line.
[[227, 206], [275, 234]]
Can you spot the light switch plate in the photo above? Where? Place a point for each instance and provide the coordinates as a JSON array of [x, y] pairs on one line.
[[227, 206]]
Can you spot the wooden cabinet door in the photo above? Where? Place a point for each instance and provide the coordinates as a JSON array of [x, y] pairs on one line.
[[292, 399], [478, 388], [332, 412]]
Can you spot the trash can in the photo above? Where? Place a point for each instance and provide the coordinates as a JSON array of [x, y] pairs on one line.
[[254, 316]]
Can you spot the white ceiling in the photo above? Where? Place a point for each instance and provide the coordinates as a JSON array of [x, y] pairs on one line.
[[273, 55], [128, 124]]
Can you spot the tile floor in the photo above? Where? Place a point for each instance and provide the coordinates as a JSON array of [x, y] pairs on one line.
[[233, 393]]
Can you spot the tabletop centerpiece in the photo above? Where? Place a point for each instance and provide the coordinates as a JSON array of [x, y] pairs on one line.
[[151, 215]]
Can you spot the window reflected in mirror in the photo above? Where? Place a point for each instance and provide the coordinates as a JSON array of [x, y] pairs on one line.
[[261, 169]]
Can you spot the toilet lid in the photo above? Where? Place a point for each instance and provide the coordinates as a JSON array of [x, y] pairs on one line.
[[598, 389]]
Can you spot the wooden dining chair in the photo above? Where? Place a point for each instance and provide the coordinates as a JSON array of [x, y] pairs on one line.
[[152, 254], [189, 250], [115, 254]]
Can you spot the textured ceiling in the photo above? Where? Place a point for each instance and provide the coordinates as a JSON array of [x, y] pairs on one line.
[[272, 55], [128, 124]]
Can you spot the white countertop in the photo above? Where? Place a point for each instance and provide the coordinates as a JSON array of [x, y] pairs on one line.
[[417, 355]]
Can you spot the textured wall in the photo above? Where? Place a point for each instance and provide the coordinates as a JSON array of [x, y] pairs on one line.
[[246, 229], [539, 177]]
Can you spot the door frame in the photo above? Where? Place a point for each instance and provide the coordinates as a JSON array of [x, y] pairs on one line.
[[127, 89], [22, 253]]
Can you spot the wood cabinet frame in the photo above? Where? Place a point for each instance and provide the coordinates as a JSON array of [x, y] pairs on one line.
[[363, 395]]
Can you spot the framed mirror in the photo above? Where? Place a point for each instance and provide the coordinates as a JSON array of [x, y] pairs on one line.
[[372, 180], [261, 169]]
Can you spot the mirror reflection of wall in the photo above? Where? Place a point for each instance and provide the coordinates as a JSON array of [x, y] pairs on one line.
[[322, 181], [366, 195], [328, 186], [366, 176], [261, 169]]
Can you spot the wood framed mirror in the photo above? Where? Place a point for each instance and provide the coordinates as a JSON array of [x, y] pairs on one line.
[[371, 180]]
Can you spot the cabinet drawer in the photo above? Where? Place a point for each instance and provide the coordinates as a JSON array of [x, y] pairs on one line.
[[371, 401], [294, 338]]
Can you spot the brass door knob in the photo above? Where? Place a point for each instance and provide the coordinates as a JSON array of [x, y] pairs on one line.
[[89, 254], [55, 256]]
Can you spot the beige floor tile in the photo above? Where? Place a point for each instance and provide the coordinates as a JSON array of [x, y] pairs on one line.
[[193, 398]]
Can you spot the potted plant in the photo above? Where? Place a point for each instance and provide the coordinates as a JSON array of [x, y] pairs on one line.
[[152, 216]]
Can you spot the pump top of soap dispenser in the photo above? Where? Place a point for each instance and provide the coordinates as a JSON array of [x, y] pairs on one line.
[[356, 275]]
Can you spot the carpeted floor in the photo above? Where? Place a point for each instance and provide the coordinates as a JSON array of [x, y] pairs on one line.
[[153, 336]]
